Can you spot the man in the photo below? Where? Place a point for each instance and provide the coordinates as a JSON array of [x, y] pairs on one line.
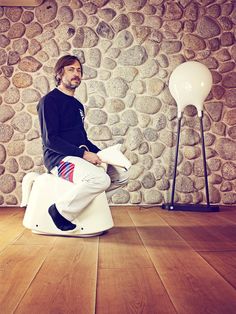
[[68, 153]]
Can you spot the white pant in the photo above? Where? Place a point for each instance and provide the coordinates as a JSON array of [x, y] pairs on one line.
[[89, 181]]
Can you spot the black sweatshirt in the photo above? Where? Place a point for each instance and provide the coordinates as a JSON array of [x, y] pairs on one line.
[[61, 120]]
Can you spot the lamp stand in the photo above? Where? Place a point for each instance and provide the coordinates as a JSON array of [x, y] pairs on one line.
[[191, 207]]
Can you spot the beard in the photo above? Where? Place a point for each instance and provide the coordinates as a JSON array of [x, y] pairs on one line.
[[72, 85]]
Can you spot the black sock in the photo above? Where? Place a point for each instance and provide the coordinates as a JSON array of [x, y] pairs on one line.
[[61, 222]]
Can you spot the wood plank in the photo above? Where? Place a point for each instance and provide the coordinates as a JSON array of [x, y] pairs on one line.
[[10, 228], [192, 284], [228, 213], [121, 247], [131, 291], [224, 263], [67, 279], [203, 231], [18, 267], [29, 238]]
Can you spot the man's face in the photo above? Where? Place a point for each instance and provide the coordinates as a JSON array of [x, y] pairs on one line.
[[71, 78]]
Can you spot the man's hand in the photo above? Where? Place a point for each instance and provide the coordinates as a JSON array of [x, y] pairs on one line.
[[92, 157]]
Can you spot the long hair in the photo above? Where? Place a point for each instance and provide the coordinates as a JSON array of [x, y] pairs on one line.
[[61, 63]]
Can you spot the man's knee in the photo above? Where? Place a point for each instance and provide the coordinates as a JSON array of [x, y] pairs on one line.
[[105, 181], [101, 182]]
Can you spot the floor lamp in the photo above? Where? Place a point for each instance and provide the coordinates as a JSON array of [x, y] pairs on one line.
[[190, 83]]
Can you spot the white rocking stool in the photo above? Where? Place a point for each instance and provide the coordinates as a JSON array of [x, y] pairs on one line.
[[39, 191]]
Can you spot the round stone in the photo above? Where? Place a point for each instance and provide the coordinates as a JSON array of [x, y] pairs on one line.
[[41, 84], [134, 5], [11, 200], [12, 95], [133, 56], [123, 40], [17, 30], [226, 186], [157, 149], [121, 197], [22, 122], [11, 165], [6, 113], [232, 132], [22, 80], [106, 14], [147, 104], [7, 183], [27, 17], [30, 95], [133, 185], [194, 42], [143, 148], [230, 96], [229, 198], [152, 196], [105, 31], [13, 13], [224, 148], [97, 116], [85, 37], [129, 117], [170, 47], [2, 154], [6, 132], [26, 162], [4, 84], [4, 25], [46, 12], [163, 184], [167, 137], [3, 56], [229, 171], [65, 14], [4, 41], [135, 171], [207, 27], [15, 148], [115, 105], [99, 133], [230, 117], [33, 29], [147, 161], [7, 70], [184, 184], [191, 152], [214, 195], [148, 181], [119, 129], [134, 138], [20, 45], [189, 137], [229, 81], [117, 87], [29, 64]]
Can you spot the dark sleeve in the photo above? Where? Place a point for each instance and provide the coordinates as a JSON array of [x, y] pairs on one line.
[[92, 148], [49, 122]]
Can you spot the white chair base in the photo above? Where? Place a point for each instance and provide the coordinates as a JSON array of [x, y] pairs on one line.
[[46, 188]]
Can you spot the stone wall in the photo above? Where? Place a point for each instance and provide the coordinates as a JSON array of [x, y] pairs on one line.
[[128, 49]]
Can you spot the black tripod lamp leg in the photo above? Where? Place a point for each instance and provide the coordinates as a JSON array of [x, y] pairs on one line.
[[204, 160], [176, 161]]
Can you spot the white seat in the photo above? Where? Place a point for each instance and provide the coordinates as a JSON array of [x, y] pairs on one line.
[[46, 188]]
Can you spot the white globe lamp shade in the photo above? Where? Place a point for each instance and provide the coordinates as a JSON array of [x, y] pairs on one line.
[[190, 84]]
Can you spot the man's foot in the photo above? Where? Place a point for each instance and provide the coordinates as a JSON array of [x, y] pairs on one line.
[[61, 222]]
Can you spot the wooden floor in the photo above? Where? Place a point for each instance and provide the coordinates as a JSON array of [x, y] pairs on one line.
[[152, 261]]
